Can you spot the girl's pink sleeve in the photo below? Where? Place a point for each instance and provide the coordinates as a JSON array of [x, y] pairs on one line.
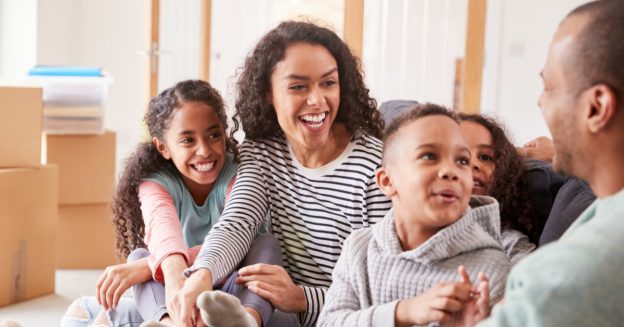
[[163, 232]]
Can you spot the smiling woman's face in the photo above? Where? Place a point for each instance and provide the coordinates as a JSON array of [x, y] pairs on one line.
[[481, 146], [305, 91]]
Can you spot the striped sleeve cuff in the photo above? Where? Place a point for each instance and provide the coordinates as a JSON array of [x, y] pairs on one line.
[[315, 297]]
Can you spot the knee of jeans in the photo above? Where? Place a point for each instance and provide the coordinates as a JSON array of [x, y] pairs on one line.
[[138, 254], [77, 310]]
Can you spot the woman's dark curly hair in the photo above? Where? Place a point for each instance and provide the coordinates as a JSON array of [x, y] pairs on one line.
[[509, 185], [357, 110], [146, 160]]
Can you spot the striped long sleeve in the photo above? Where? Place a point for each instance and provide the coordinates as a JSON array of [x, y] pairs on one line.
[[310, 211]]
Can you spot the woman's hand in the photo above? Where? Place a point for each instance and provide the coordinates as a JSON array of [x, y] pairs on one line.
[[183, 304], [115, 280], [273, 283]]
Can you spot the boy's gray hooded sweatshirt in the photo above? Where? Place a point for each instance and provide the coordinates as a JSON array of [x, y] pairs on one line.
[[373, 273]]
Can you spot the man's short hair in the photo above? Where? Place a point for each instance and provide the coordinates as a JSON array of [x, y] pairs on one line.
[[599, 52]]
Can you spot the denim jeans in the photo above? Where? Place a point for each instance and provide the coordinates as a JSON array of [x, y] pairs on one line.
[[148, 302]]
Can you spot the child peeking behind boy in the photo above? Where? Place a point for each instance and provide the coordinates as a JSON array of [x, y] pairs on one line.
[[408, 269]]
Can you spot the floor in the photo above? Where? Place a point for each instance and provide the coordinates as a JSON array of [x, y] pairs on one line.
[[48, 310]]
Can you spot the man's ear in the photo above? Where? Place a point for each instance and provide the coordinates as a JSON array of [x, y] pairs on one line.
[[602, 107], [384, 181], [162, 148]]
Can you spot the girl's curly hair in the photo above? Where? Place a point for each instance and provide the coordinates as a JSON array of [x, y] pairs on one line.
[[146, 160], [509, 183], [357, 110]]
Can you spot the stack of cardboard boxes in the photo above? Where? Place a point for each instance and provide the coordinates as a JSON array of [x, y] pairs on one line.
[[85, 232], [28, 199]]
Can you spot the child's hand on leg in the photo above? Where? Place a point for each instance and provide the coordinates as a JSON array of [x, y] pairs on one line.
[[115, 280]]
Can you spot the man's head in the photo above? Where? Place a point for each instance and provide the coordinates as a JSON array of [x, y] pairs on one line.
[[584, 85]]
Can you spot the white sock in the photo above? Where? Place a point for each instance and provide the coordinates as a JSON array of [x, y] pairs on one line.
[[219, 309]]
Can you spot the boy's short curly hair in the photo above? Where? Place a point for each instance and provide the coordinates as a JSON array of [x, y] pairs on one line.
[[417, 112]]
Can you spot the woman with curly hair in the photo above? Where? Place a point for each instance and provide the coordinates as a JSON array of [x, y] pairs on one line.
[[170, 194], [307, 167], [500, 172]]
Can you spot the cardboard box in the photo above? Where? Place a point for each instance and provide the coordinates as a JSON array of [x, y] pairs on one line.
[[86, 167], [86, 237], [20, 126], [28, 218]]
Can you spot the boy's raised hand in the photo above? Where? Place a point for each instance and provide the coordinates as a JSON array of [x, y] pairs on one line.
[[478, 308], [438, 304]]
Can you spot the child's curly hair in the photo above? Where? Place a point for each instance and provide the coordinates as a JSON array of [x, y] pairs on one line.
[[357, 111], [509, 184], [146, 160]]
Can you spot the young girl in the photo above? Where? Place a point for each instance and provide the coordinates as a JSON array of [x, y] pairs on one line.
[[403, 271], [533, 198], [500, 172], [170, 194]]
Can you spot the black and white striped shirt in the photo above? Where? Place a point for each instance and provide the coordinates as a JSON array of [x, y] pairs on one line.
[[312, 211]]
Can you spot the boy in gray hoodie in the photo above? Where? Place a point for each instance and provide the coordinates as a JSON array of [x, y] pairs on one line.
[[404, 270]]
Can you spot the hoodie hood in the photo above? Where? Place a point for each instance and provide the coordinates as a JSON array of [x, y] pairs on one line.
[[478, 228]]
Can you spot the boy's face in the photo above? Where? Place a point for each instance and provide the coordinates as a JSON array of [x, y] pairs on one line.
[[427, 174]]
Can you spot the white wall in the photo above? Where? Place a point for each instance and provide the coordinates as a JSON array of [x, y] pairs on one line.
[[232, 39], [179, 42], [409, 50], [110, 34], [58, 32], [18, 37], [410, 47], [237, 25], [75, 32], [517, 38]]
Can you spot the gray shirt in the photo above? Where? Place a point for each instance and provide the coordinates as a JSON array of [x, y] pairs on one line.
[[374, 273]]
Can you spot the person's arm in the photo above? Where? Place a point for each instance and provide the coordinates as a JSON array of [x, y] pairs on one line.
[[516, 245], [315, 301], [163, 232], [572, 198], [541, 148], [574, 282], [229, 240]]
